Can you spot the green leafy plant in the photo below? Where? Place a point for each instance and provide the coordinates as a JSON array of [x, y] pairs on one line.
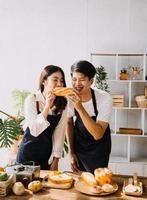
[[101, 79], [19, 97], [10, 127]]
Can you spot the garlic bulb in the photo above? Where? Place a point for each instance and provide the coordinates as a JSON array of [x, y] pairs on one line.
[[18, 188]]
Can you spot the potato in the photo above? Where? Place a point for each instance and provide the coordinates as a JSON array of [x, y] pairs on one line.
[[18, 188], [35, 186]]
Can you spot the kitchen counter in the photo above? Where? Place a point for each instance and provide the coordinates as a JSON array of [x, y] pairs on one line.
[[72, 194]]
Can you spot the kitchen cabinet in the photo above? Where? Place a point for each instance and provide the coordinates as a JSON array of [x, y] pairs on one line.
[[127, 149]]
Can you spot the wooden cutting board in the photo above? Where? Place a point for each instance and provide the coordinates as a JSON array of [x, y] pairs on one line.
[[135, 131]]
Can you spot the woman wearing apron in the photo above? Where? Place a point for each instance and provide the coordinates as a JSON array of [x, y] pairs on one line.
[[88, 134], [45, 119]]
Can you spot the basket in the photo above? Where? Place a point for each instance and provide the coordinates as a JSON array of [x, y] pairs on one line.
[[141, 101], [5, 186]]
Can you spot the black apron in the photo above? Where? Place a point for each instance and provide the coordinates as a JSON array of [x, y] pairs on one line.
[[91, 153], [38, 149]]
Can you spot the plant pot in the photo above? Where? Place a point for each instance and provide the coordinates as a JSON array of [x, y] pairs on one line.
[[15, 146], [123, 76]]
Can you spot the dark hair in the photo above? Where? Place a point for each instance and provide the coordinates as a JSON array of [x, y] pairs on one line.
[[48, 71], [84, 67], [59, 102]]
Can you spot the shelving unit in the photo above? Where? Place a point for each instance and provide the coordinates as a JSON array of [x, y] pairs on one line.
[[129, 152]]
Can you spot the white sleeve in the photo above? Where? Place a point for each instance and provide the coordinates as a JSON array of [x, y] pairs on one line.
[[59, 137], [36, 122], [70, 109], [104, 108]]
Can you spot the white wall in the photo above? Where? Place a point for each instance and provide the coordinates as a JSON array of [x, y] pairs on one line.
[[117, 25], [34, 33]]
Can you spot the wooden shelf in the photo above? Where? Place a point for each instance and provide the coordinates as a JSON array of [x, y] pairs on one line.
[[127, 81], [118, 159], [129, 115], [119, 54]]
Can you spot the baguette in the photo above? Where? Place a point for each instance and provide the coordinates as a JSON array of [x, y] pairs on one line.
[[62, 91]]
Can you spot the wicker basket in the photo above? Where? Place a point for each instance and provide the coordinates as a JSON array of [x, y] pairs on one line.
[[141, 101], [5, 186]]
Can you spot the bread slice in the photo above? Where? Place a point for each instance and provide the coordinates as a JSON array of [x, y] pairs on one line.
[[62, 91], [88, 178]]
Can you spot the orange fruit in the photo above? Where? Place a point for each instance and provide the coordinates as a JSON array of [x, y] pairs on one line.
[[2, 169]]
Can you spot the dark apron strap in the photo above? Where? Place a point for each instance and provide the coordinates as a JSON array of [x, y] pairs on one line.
[[94, 102]]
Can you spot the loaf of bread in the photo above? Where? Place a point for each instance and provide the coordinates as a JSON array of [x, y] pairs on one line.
[[62, 91], [88, 178]]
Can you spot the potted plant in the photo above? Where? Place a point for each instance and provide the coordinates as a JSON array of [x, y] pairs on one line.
[[19, 97], [124, 74], [101, 79]]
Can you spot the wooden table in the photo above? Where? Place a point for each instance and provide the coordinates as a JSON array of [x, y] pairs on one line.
[[71, 194]]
